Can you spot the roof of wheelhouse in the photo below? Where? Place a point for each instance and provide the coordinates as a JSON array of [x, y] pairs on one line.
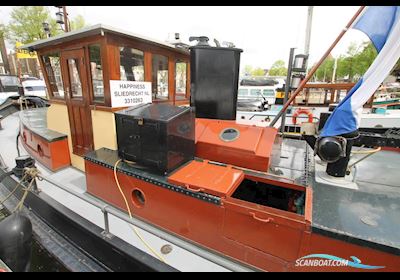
[[98, 29]]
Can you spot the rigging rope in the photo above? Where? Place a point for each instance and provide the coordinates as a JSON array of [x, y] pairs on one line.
[[14, 190], [130, 214]]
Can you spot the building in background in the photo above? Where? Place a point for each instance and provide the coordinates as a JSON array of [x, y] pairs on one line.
[[4, 65], [29, 66]]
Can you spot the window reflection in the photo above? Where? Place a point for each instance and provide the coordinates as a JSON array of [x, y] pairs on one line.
[[160, 76], [180, 80], [131, 64], [96, 70], [52, 66], [76, 85]]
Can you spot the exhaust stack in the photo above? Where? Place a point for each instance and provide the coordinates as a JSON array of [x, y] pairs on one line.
[[214, 75]]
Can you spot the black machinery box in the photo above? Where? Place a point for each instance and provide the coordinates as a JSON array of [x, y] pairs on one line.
[[158, 136], [214, 81]]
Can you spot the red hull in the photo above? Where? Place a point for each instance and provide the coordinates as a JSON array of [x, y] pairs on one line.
[[264, 237]]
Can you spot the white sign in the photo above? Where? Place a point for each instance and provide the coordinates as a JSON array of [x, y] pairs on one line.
[[129, 93]]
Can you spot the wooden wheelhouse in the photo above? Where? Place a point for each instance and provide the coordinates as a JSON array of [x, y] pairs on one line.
[[78, 67]]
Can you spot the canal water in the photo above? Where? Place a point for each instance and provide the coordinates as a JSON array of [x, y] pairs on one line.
[[41, 260]]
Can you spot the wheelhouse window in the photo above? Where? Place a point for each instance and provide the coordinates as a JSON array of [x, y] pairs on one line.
[[160, 76], [76, 85], [131, 64], [180, 80], [52, 64], [96, 71]]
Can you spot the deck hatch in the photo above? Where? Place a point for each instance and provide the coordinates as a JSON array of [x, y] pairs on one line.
[[206, 177]]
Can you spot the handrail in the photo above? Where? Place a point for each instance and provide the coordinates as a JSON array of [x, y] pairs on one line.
[[346, 86], [3, 164], [214, 257]]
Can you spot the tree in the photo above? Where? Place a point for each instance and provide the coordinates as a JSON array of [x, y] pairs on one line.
[[278, 69], [351, 66], [248, 69], [3, 30], [77, 23], [26, 24], [258, 72], [325, 70], [356, 61]]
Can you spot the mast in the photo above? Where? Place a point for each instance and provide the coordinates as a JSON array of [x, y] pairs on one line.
[[66, 24], [308, 30], [312, 71]]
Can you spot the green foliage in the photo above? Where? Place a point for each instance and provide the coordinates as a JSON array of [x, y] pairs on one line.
[[247, 70], [278, 69], [351, 65], [3, 30], [250, 71], [258, 72], [26, 24], [77, 23], [356, 61], [325, 71]]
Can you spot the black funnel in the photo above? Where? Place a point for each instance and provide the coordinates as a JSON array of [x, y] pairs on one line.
[[214, 73]]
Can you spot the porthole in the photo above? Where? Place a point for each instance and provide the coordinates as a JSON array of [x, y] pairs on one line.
[[229, 134], [138, 198]]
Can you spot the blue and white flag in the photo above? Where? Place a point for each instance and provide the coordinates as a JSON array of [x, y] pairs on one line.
[[382, 26]]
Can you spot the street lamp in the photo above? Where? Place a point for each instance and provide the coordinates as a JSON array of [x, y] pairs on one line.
[[46, 29], [59, 17], [62, 17]]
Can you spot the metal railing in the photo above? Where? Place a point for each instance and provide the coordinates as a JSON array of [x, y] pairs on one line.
[[3, 164], [333, 90], [214, 257]]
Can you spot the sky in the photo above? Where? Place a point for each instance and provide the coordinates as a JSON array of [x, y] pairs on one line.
[[265, 33]]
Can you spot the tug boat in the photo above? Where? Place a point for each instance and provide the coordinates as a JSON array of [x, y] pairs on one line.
[[164, 186]]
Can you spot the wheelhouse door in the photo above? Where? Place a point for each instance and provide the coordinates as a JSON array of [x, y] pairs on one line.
[[78, 100]]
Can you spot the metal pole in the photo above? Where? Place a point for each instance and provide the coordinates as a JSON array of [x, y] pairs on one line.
[[66, 25], [312, 71], [287, 87], [334, 71], [308, 30]]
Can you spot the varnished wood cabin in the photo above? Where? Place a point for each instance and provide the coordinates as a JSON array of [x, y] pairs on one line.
[[78, 66]]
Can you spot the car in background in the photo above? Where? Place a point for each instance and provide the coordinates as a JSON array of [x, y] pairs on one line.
[[280, 82], [9, 85], [28, 78], [34, 87], [255, 98]]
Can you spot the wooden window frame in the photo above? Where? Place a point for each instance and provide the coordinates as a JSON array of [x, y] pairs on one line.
[[76, 44], [52, 97], [111, 66], [186, 94], [171, 66], [131, 47], [103, 58]]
